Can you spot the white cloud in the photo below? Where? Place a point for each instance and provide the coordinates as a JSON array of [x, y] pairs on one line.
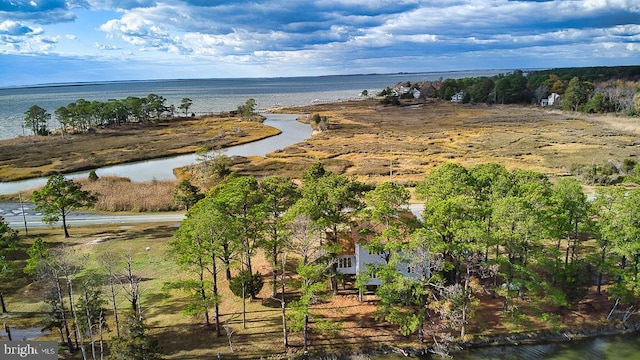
[[105, 46], [336, 36], [633, 47], [15, 28]]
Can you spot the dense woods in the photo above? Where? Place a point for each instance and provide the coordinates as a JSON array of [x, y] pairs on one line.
[[514, 234]]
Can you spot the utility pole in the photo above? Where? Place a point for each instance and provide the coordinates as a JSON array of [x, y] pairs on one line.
[[24, 217], [391, 165]]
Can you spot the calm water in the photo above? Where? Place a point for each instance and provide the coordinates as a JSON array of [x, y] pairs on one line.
[[208, 95], [600, 348]]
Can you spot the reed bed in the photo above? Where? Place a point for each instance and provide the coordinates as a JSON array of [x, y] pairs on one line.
[[120, 194]]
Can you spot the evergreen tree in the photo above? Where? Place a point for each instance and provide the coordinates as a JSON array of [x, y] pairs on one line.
[[59, 197], [186, 194], [36, 119], [135, 342], [577, 93]]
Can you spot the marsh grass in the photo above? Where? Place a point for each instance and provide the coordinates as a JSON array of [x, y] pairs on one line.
[[369, 141], [120, 194]]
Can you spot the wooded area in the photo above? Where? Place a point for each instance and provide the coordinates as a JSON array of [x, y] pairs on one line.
[[532, 243]]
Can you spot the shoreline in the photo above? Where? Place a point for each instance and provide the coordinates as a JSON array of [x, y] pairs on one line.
[[525, 338]]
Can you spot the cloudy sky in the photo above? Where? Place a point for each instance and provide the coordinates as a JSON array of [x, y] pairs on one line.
[[51, 41]]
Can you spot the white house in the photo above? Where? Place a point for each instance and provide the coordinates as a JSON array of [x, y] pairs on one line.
[[457, 97], [553, 99], [355, 257], [356, 263]]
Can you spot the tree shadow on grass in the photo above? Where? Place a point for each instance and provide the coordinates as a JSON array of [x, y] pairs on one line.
[[198, 341]]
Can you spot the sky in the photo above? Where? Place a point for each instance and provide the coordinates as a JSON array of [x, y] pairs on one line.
[[60, 41]]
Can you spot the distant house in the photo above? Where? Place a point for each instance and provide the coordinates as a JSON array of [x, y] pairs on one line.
[[457, 97], [356, 258], [552, 100]]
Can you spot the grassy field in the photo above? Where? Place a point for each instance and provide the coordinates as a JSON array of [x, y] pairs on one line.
[[181, 336]]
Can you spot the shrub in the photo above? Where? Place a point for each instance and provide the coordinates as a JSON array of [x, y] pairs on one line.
[[93, 176], [628, 165], [390, 100], [575, 281], [252, 284]]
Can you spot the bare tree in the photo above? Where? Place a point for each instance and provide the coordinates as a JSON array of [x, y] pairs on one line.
[[109, 262], [132, 287]]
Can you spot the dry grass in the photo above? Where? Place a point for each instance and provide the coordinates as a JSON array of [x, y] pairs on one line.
[[367, 140], [120, 194]]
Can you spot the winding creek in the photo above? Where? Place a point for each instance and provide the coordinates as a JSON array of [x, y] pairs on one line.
[[293, 132]]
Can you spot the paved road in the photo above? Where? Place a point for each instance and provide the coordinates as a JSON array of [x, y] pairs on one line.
[[13, 214]]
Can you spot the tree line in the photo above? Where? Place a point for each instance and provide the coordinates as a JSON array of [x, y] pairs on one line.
[[514, 234], [592, 90], [83, 116]]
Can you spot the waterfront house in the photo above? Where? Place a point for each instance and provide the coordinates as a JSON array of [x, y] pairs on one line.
[[356, 258]]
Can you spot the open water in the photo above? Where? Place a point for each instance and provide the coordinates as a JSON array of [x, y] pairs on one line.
[[208, 95]]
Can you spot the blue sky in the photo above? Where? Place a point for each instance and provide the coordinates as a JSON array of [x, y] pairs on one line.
[[53, 41]]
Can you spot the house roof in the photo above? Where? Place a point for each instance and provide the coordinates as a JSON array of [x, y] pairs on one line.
[[363, 231]]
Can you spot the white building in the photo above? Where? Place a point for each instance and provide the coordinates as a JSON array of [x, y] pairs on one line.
[[457, 97], [356, 258], [552, 100]]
